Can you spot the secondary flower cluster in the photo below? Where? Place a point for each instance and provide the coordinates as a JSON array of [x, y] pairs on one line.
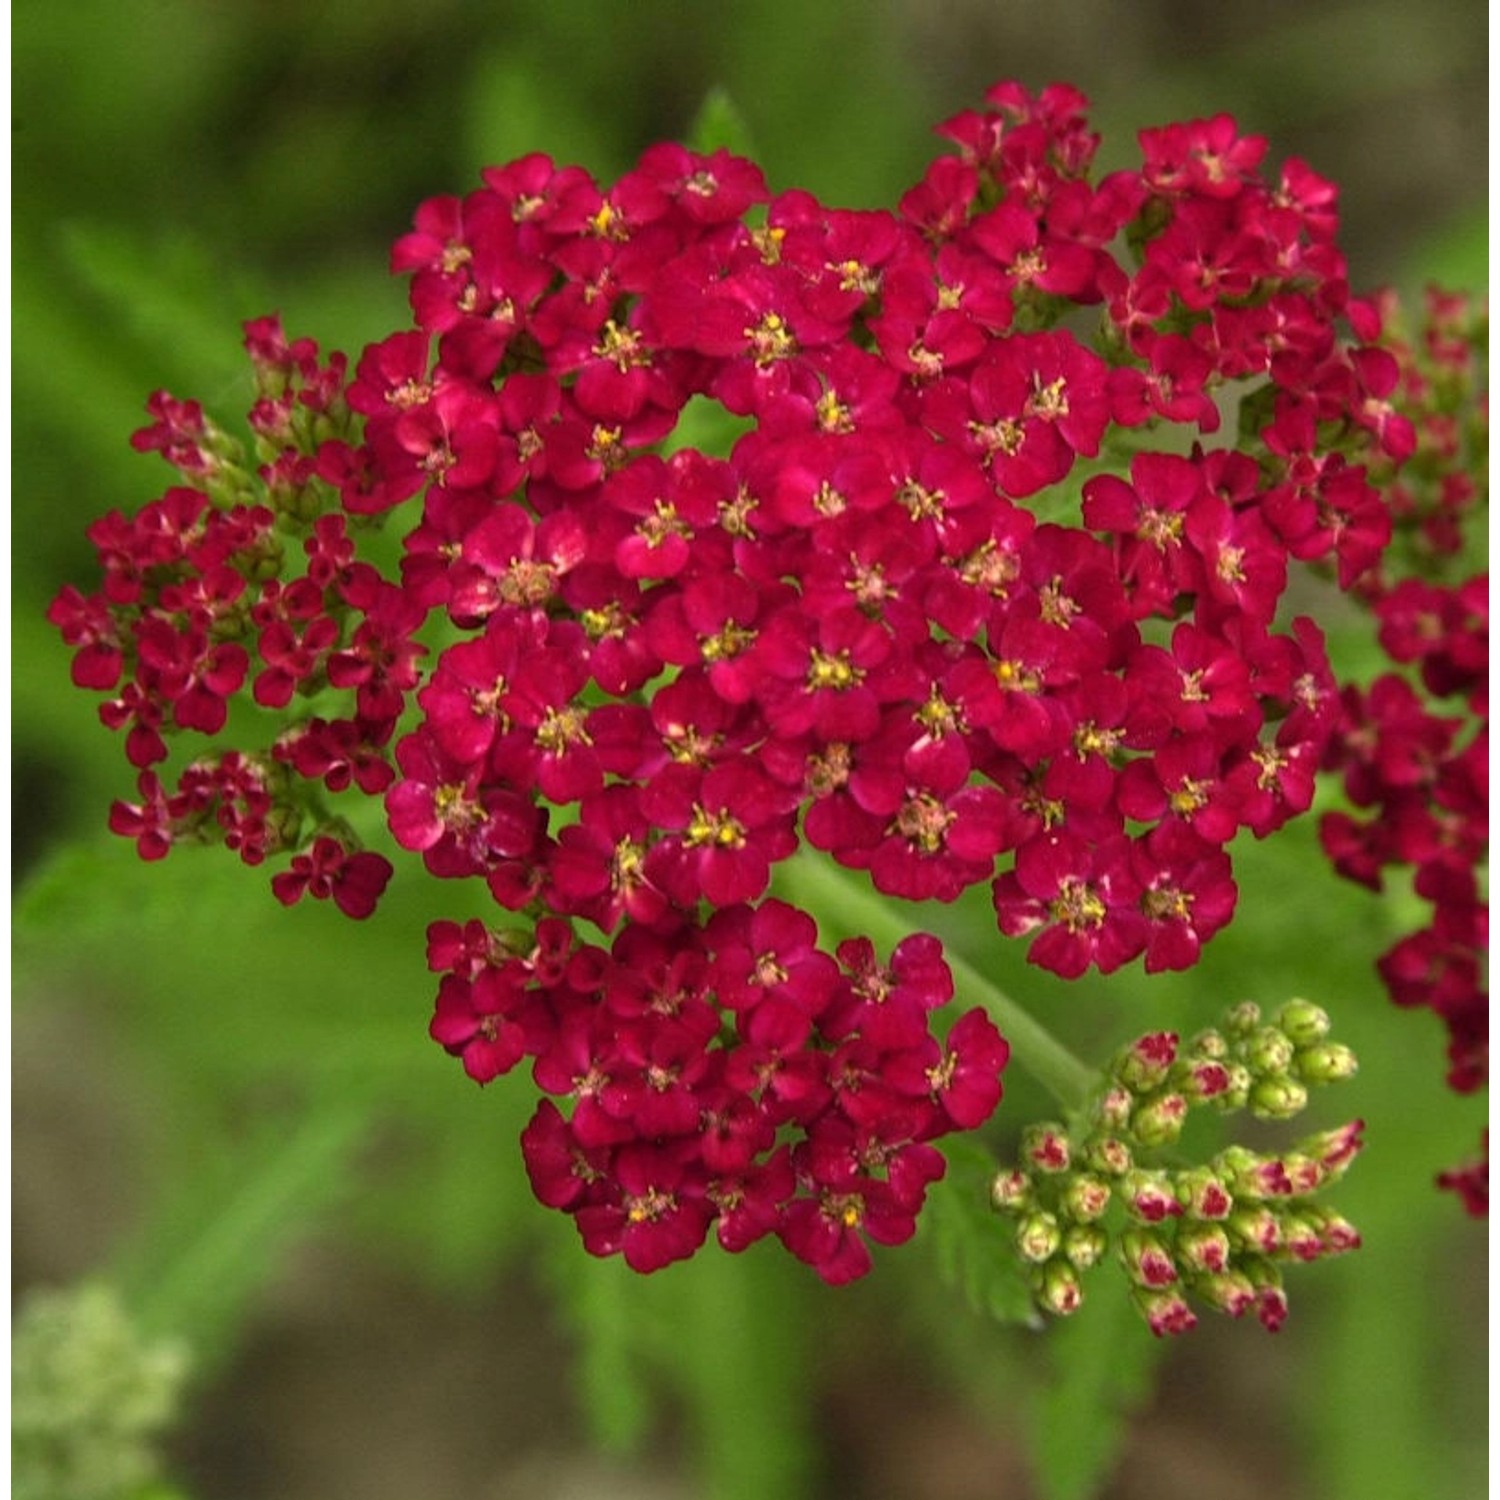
[[1413, 747], [962, 598], [730, 1076], [1220, 1233]]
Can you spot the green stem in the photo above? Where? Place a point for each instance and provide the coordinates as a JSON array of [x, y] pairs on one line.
[[821, 886]]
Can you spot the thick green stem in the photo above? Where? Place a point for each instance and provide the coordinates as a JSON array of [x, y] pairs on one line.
[[822, 888]]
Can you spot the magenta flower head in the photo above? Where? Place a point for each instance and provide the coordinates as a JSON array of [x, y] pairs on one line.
[[765, 567]]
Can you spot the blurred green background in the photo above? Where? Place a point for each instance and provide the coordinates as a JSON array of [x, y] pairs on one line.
[[233, 1110]]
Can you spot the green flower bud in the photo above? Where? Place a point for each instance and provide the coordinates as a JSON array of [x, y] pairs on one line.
[[1059, 1290], [1268, 1051], [1114, 1107], [1108, 1155], [1159, 1121], [1327, 1062], [1242, 1020], [1303, 1023], [1275, 1098], [1339, 1236], [1208, 1046], [1038, 1236], [1085, 1198], [1084, 1246], [1010, 1192]]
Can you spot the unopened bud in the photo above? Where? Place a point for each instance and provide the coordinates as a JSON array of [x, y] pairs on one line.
[[1277, 1098], [1270, 1298], [1339, 1236], [1327, 1062], [1334, 1150], [1205, 1078], [1202, 1194], [1268, 1051], [1303, 1023], [1165, 1312], [1228, 1292], [1146, 1258], [1045, 1147], [1114, 1108], [1208, 1046], [1037, 1237], [1144, 1064], [1010, 1192], [1242, 1020], [1255, 1228], [1204, 1248], [1148, 1196], [1159, 1121], [1085, 1198], [1108, 1155], [1059, 1290], [1084, 1246]]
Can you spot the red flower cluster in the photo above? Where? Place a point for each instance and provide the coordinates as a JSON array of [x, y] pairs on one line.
[[729, 1075], [1414, 749], [966, 594]]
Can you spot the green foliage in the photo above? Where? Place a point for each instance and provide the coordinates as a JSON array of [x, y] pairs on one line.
[[974, 1252], [1099, 1367], [719, 125]]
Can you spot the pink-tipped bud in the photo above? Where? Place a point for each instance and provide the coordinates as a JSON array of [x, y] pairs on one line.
[[1144, 1064], [1339, 1236], [1165, 1312], [1109, 1156], [1045, 1148], [1203, 1195], [1114, 1108], [1205, 1078], [1010, 1192], [1159, 1121], [1255, 1228], [1204, 1248], [1300, 1237], [1268, 1051], [1334, 1150], [1038, 1237], [1084, 1246], [1228, 1292], [1059, 1290], [1146, 1259], [1085, 1198], [1148, 1196]]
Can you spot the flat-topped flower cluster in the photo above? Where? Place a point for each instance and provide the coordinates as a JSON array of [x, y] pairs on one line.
[[982, 585]]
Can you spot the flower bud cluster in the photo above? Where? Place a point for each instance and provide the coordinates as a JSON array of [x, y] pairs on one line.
[[1218, 1233]]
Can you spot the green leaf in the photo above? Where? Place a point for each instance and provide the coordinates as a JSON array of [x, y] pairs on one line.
[[216, 1240], [1102, 1361], [719, 125], [974, 1253]]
